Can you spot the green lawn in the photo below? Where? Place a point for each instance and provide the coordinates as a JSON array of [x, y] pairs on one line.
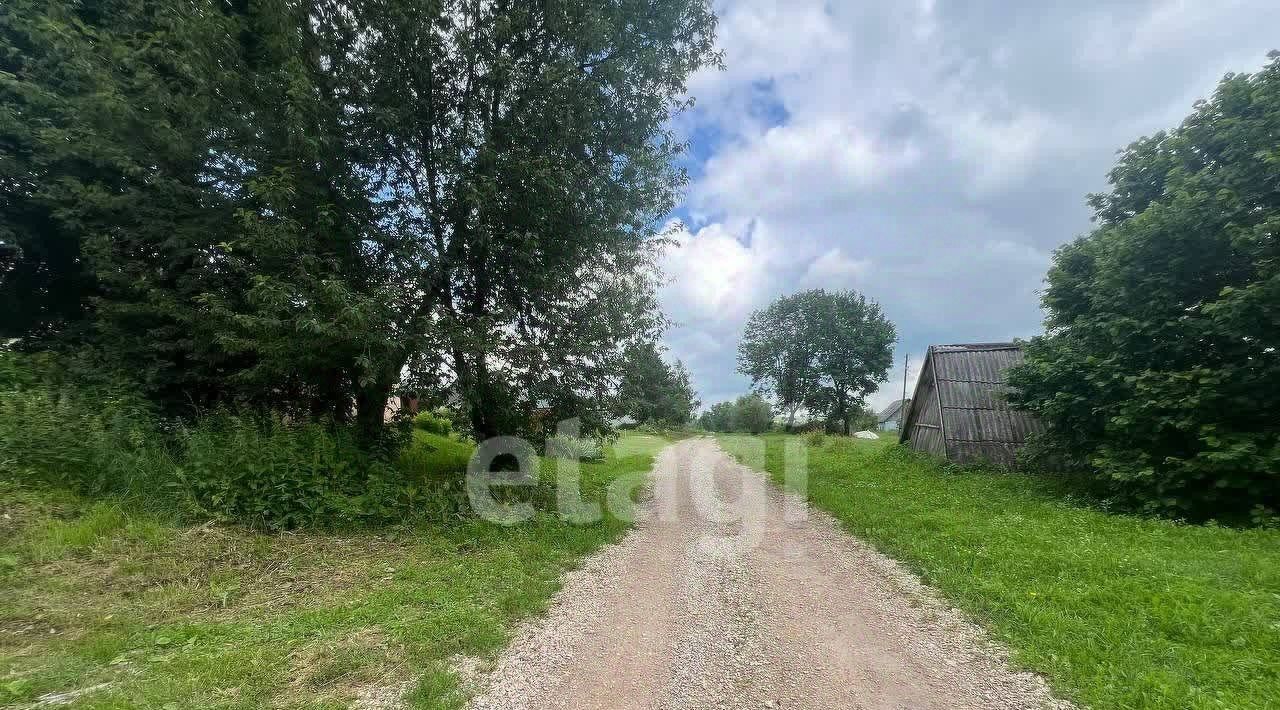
[[222, 617], [1117, 611]]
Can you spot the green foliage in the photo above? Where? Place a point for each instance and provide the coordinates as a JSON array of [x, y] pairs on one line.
[[718, 418], [257, 470], [1117, 611], [1159, 372], [534, 209], [653, 391], [823, 351], [181, 168], [864, 418], [290, 206], [750, 413], [108, 444], [284, 476], [194, 610], [437, 422]]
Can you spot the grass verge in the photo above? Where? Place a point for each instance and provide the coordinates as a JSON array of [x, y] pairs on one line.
[[1116, 611], [144, 612]]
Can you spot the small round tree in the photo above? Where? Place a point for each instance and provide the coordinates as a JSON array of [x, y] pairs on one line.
[[821, 350]]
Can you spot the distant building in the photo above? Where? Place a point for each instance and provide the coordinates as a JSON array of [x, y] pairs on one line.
[[888, 418], [959, 412]]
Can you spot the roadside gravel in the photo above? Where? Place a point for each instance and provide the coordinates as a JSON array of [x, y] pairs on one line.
[[732, 594]]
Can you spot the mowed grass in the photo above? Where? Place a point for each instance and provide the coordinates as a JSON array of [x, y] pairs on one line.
[[1117, 611], [144, 612]]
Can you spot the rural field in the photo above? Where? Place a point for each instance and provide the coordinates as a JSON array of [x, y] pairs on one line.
[[639, 355], [138, 611]]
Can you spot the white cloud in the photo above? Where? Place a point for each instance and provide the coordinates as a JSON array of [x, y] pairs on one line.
[[799, 166], [930, 155], [834, 270], [714, 276]]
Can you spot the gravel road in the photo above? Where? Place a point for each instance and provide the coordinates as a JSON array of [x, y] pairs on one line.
[[731, 594]]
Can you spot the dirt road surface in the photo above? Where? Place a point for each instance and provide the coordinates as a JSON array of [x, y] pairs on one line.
[[731, 594]]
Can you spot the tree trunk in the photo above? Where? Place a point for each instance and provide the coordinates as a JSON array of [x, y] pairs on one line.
[[484, 421], [371, 409], [474, 388]]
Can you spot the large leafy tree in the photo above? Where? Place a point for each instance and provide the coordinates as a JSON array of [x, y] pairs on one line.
[[180, 201], [298, 204], [526, 157], [1159, 371], [821, 350], [778, 351], [105, 114]]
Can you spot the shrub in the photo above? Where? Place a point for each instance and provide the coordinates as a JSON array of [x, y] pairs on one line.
[[816, 438], [276, 475], [1159, 375], [259, 470], [437, 422]]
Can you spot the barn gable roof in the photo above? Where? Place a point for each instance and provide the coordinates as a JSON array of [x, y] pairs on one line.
[[891, 411], [976, 421]]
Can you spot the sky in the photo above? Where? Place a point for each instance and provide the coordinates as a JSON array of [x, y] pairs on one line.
[[929, 155]]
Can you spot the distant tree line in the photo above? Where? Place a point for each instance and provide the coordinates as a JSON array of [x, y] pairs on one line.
[[751, 414]]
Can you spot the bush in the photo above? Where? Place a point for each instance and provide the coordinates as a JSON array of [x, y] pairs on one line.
[[571, 447], [816, 438], [1159, 375], [258, 470], [95, 445], [276, 475], [437, 422]]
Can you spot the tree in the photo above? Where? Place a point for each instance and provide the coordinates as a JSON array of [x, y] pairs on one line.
[[525, 152], [1159, 370], [300, 205], [653, 391], [824, 351], [752, 414], [718, 418], [778, 352], [183, 203]]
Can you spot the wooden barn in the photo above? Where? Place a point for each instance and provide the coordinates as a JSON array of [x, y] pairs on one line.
[[959, 411]]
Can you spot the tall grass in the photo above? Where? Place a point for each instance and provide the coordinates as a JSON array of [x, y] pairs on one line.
[[256, 469], [107, 444]]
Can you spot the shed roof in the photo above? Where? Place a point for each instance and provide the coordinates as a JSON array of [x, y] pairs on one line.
[[977, 421], [891, 411]]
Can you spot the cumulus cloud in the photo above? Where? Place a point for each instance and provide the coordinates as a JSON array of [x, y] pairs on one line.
[[930, 155], [834, 271]]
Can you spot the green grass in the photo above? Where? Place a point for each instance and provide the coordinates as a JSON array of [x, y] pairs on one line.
[[224, 617], [436, 456], [1117, 611]]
